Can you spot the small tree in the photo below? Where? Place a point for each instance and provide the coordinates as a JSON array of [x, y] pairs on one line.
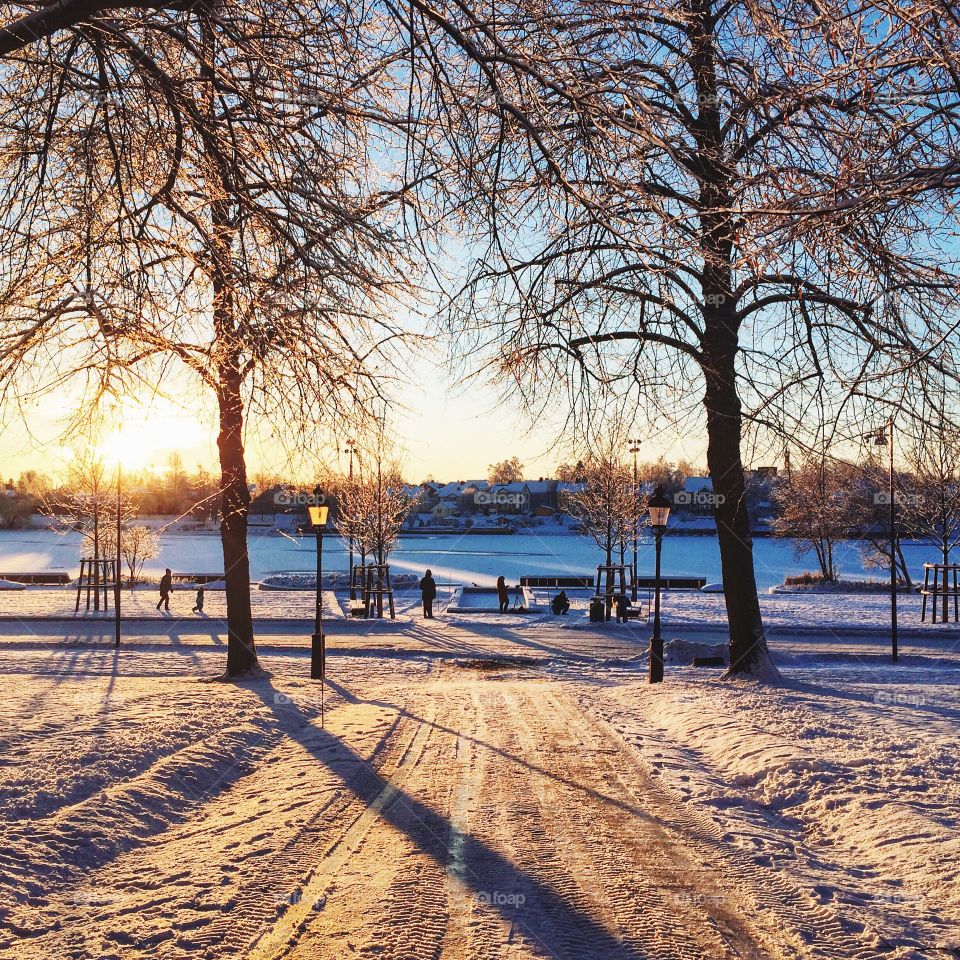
[[87, 503], [138, 544], [605, 503], [871, 513], [373, 506], [930, 506], [816, 509]]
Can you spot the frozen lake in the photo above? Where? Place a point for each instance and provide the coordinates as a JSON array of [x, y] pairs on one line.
[[462, 559]]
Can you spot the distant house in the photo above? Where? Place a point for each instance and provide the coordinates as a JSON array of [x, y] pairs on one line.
[[761, 482], [472, 495], [449, 491], [696, 495], [512, 498], [542, 495], [445, 509], [413, 491]]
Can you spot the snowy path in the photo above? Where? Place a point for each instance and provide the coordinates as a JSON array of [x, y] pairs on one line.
[[472, 795]]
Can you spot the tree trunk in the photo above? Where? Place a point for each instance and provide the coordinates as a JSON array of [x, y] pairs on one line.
[[748, 645], [945, 549], [749, 654], [904, 569], [241, 651]]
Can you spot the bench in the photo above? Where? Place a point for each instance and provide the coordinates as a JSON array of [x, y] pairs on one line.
[[557, 583], [196, 577], [672, 583], [708, 662], [45, 578]]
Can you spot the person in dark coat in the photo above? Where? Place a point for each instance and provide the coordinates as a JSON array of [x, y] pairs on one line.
[[428, 590], [560, 604], [622, 604], [503, 595], [198, 608], [166, 588]]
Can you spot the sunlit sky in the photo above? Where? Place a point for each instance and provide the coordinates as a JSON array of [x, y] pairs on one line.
[[444, 430]]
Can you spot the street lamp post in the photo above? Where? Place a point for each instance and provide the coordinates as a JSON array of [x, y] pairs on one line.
[[116, 575], [318, 651], [881, 439], [659, 509], [351, 444], [635, 449]]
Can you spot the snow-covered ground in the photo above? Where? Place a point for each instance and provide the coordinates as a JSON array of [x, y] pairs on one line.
[[690, 610], [503, 787]]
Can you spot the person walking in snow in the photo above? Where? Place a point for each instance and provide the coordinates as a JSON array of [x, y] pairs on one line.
[[198, 607], [166, 588], [428, 591], [622, 605]]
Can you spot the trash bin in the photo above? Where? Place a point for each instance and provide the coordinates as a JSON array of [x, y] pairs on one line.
[[596, 610]]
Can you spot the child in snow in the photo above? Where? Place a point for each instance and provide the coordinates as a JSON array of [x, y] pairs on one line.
[[199, 607]]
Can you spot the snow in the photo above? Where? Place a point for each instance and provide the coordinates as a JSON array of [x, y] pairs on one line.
[[852, 769], [494, 786]]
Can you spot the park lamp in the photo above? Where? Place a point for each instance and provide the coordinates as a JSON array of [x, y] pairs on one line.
[[318, 514], [318, 647], [658, 508]]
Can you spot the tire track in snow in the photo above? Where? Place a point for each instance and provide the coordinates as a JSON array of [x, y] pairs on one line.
[[321, 877], [787, 917]]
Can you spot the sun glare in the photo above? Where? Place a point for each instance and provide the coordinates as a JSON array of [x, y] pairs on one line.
[[148, 441]]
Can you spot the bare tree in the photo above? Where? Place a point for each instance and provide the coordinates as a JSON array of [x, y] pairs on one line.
[[698, 203], [871, 517], [375, 506], [87, 503], [815, 509], [930, 511], [604, 502], [138, 544], [202, 185]]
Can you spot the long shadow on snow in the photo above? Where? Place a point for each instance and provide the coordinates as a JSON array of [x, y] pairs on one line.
[[549, 919]]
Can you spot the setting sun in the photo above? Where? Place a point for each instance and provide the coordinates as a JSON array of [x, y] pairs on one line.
[[147, 440]]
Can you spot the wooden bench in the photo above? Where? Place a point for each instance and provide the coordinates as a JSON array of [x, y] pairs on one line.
[[557, 583], [672, 583], [196, 577], [44, 577]]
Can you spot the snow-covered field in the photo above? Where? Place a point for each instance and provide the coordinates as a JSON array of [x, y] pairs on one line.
[[496, 788], [691, 612]]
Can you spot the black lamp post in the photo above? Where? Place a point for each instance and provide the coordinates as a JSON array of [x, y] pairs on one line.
[[659, 509], [635, 449], [351, 446], [318, 650], [116, 560], [884, 438]]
